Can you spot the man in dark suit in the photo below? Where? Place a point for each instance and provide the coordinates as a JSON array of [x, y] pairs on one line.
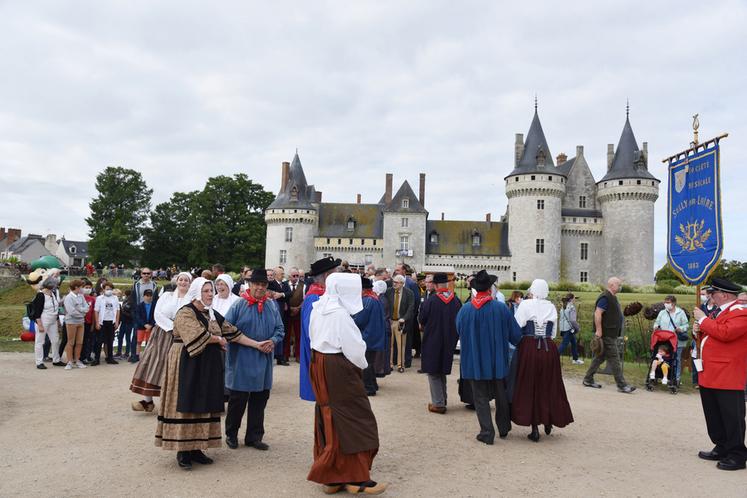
[[281, 292], [293, 330], [722, 373], [400, 309]]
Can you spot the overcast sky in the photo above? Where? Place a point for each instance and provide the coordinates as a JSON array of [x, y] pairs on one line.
[[186, 90]]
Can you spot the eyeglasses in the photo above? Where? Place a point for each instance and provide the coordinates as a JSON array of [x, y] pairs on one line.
[[145, 273]]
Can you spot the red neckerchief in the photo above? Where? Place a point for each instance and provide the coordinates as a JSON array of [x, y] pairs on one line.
[[481, 298], [252, 301], [370, 293], [446, 296], [316, 289]]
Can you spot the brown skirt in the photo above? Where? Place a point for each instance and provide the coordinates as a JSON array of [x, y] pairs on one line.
[[183, 431], [147, 377], [539, 393], [345, 432]]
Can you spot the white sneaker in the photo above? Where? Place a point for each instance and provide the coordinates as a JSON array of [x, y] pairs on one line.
[[80, 365], [652, 376], [69, 366], [664, 381], [578, 362]]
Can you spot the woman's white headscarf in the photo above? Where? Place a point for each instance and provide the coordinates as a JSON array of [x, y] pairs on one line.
[[226, 278], [538, 309], [342, 290], [195, 290], [379, 287]]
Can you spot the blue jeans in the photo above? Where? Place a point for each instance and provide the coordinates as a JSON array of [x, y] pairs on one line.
[[680, 349], [569, 337], [125, 334]]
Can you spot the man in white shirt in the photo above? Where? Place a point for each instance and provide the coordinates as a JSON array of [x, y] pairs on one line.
[[106, 321], [338, 354]]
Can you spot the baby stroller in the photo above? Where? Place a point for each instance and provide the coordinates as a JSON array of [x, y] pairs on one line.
[[668, 340]]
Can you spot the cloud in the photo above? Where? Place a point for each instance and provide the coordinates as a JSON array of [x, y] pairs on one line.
[[182, 91]]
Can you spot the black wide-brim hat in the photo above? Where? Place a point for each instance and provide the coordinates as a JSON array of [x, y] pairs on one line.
[[323, 265], [440, 278], [259, 276], [482, 281], [724, 285], [366, 282]]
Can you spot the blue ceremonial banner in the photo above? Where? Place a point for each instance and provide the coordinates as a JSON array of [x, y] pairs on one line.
[[695, 238]]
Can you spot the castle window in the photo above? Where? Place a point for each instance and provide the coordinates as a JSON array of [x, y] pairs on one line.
[[540, 246], [652, 184], [549, 178], [434, 237], [476, 239], [339, 241], [289, 234], [405, 222], [582, 201], [283, 256], [350, 242], [513, 277], [351, 224], [326, 254], [540, 204], [368, 259], [404, 242], [405, 203], [295, 210], [374, 241], [363, 242], [638, 182], [294, 193], [532, 177], [620, 182], [327, 240], [517, 178], [574, 220], [584, 251], [584, 276]]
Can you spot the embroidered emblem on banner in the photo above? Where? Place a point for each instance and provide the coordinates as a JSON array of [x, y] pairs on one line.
[[692, 237]]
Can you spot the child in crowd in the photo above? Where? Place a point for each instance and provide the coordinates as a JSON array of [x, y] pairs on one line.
[[106, 311], [88, 329], [663, 356], [144, 320], [76, 309], [126, 327]]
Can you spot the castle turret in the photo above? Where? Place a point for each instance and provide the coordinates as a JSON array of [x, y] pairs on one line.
[[535, 189], [292, 220], [626, 195]]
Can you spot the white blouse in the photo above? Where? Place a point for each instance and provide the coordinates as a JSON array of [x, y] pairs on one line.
[[166, 307], [334, 331], [540, 311], [223, 305]]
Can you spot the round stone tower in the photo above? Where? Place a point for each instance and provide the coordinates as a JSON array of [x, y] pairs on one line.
[[535, 189], [292, 220], [627, 194]]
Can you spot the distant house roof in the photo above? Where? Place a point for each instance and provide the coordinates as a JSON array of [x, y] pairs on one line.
[[581, 213], [629, 162], [405, 191], [536, 156], [298, 194], [455, 237], [367, 220], [81, 248], [20, 245]]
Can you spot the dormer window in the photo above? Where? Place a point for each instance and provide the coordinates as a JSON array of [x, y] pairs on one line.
[[541, 157], [476, 239], [351, 224], [434, 237], [73, 249], [294, 193], [405, 203]]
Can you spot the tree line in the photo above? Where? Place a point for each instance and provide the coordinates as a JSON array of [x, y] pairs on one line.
[[223, 222], [736, 271]]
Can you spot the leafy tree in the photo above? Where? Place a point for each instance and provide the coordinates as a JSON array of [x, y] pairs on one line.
[[118, 214], [168, 240], [229, 214], [666, 273]]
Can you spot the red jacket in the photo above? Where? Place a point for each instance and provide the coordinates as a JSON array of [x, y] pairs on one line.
[[724, 349]]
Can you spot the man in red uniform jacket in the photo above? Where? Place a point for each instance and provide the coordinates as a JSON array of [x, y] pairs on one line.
[[723, 349]]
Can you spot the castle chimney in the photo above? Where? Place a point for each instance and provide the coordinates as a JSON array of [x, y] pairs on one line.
[[388, 189], [487, 218], [561, 158], [284, 174], [645, 154], [422, 189], [317, 197], [518, 148], [610, 155], [579, 150], [358, 199], [442, 216], [2, 233]]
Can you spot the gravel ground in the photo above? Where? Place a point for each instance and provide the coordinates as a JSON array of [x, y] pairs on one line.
[[72, 433]]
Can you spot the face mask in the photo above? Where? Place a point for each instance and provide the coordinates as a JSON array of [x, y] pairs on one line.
[[669, 306], [86, 290], [108, 292]]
